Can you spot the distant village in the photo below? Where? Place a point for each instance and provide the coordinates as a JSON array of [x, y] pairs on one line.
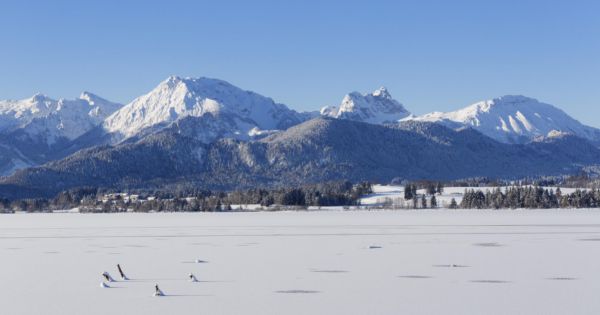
[[342, 193]]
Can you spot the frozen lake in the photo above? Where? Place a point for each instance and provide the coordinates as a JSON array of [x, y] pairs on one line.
[[355, 262]]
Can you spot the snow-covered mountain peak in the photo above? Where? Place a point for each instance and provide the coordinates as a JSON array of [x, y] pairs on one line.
[[40, 97], [514, 99], [382, 92], [39, 103], [513, 119], [376, 107], [13, 110], [36, 124], [177, 97], [92, 99], [173, 79], [47, 119], [507, 101]]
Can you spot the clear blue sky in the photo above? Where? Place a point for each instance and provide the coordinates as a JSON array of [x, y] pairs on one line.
[[432, 55]]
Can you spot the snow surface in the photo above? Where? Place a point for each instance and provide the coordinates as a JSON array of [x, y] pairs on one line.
[[377, 107], [311, 262], [513, 118]]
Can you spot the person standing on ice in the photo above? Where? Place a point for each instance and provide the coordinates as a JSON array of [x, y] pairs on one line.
[[107, 277], [123, 276], [157, 291]]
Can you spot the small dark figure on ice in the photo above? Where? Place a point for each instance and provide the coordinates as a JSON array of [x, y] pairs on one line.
[[157, 291], [123, 276], [107, 277]]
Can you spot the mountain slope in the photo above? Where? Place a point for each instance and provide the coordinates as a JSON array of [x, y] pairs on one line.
[[34, 129], [318, 150], [176, 98], [513, 119], [376, 108], [43, 117]]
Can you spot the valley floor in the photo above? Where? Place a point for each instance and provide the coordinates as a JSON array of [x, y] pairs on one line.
[[311, 262]]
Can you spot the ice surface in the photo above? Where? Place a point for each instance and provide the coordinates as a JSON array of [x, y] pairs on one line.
[[310, 262]]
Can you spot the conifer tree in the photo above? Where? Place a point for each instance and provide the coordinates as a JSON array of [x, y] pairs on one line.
[[408, 192], [453, 204]]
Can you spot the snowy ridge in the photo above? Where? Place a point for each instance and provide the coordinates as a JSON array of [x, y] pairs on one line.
[[377, 107], [41, 116], [513, 119], [34, 129], [39, 129], [176, 98]]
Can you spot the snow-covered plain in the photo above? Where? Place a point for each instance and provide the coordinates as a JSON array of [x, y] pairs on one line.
[[311, 262]]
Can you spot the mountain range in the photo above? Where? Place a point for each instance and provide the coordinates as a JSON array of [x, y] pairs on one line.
[[377, 108], [513, 119], [36, 130], [177, 97], [210, 134]]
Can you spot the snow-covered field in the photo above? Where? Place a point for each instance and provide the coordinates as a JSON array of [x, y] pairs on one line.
[[315, 262]]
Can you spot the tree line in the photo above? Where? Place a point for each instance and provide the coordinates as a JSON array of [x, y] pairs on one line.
[[431, 188], [530, 197], [339, 193]]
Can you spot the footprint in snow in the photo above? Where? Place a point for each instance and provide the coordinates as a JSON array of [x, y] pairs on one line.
[[297, 291]]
